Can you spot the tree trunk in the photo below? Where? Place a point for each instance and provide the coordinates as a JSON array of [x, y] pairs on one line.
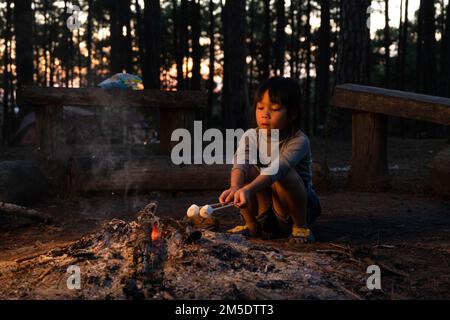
[[445, 57], [267, 40], [402, 48], [7, 113], [211, 64], [89, 45], [45, 42], [196, 49], [140, 36], [184, 40], [178, 45], [67, 58], [298, 46], [334, 50], [427, 57], [419, 47], [120, 15], [234, 95], [36, 55], [225, 89], [426, 48], [128, 43], [80, 76], [307, 104], [251, 45], [293, 41], [323, 65], [387, 43], [280, 38], [23, 17], [152, 42], [352, 65]]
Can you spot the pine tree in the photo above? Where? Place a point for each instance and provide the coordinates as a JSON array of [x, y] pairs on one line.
[[234, 96]]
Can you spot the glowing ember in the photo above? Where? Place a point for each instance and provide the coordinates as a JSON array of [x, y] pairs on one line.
[[155, 233]]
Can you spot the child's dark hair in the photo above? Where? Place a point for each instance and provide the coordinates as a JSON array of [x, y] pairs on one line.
[[286, 92]]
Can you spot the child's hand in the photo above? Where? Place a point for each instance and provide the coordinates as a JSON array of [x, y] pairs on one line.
[[242, 197], [228, 195]]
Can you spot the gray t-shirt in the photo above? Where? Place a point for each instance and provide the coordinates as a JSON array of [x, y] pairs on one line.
[[294, 152]]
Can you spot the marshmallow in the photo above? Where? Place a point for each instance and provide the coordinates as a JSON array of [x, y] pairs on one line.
[[193, 211], [206, 211]]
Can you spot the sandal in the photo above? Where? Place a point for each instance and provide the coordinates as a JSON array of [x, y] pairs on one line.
[[301, 233], [243, 230]]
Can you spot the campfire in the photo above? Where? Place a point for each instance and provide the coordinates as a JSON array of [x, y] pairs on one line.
[[155, 258]]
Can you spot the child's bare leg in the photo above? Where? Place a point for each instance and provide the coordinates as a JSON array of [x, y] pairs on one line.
[[258, 204], [289, 197]]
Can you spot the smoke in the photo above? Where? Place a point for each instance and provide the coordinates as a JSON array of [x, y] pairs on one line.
[[100, 140]]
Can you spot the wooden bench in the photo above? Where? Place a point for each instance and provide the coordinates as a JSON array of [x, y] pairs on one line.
[[177, 109], [370, 106]]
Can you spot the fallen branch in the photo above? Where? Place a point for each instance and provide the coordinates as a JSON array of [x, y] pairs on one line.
[[392, 270], [34, 255], [15, 210], [346, 248], [46, 273], [330, 251], [384, 246], [349, 292]]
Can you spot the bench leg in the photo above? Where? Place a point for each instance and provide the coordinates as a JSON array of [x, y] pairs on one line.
[[369, 168], [52, 151], [170, 120]]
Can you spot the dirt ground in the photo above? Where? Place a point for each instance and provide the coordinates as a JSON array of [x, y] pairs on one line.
[[405, 231]]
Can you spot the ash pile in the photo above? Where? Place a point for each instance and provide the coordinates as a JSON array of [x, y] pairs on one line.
[[153, 258]]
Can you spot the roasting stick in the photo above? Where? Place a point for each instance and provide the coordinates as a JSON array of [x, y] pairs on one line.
[[207, 210], [223, 206], [216, 204]]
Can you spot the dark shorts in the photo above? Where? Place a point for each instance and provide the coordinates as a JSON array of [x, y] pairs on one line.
[[275, 223]]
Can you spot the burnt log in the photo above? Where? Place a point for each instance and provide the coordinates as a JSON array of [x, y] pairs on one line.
[[14, 211]]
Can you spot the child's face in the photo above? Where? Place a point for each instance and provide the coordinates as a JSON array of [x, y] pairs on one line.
[[270, 115]]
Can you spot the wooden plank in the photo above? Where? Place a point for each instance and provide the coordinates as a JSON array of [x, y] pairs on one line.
[[393, 102], [98, 97], [369, 168], [121, 175], [142, 175]]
